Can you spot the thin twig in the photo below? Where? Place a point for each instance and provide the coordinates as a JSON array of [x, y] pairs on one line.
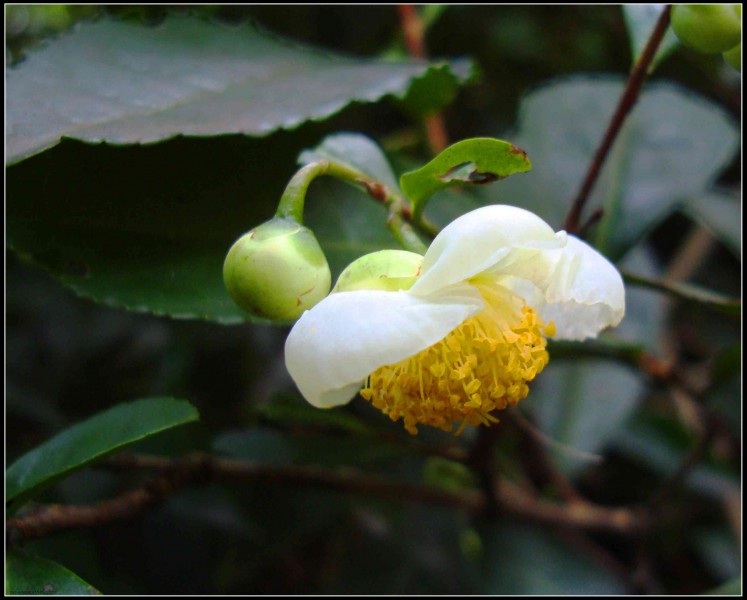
[[627, 101], [175, 474]]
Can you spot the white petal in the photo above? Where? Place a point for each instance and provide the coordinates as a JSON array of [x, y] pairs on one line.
[[334, 346], [483, 239], [575, 286]]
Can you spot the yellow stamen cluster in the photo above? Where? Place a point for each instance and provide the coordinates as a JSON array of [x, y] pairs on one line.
[[481, 366]]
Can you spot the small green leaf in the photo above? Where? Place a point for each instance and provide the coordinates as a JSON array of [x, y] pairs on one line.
[[475, 161], [27, 575], [91, 440]]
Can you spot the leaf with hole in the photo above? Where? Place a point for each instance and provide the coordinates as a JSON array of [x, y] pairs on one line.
[[475, 161]]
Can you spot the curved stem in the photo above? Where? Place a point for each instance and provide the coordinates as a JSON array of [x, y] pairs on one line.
[[292, 201]]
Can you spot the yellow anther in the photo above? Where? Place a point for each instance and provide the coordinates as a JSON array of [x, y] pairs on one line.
[[481, 366]]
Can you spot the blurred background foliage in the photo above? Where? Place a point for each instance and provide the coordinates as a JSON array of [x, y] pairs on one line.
[[69, 358]]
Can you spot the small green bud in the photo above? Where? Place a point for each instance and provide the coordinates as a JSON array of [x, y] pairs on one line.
[[708, 27], [388, 270], [447, 475], [734, 57], [277, 270], [470, 543]]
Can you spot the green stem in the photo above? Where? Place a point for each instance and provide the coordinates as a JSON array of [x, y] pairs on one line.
[[291, 203], [404, 233]]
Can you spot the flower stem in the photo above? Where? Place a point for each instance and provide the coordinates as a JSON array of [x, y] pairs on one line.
[[292, 201], [404, 233]]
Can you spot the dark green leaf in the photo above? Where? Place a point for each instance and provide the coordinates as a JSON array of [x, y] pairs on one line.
[[640, 20], [688, 292], [719, 550], [147, 227], [672, 146], [732, 587], [474, 161], [525, 560], [268, 446], [123, 83], [727, 365], [580, 405], [292, 411], [30, 576], [654, 447], [92, 440], [721, 214]]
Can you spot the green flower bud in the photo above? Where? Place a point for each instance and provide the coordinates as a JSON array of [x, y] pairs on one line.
[[734, 57], [277, 270], [388, 270], [708, 27]]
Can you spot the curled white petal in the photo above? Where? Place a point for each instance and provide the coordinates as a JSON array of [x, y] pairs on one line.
[[334, 346], [487, 238], [575, 286]]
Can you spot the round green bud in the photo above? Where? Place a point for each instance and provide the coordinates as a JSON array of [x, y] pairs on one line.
[[388, 270], [734, 57], [708, 27], [277, 270]]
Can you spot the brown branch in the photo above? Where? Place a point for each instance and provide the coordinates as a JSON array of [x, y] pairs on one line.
[[175, 474], [413, 31], [57, 517], [627, 101]]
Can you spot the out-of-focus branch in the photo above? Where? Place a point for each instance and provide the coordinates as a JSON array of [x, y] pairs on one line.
[[627, 101], [173, 475], [537, 463], [413, 31]]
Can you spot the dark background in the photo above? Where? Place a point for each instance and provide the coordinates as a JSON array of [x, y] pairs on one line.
[[68, 358]]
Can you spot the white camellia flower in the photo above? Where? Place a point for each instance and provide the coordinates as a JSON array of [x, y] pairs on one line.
[[455, 335]]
